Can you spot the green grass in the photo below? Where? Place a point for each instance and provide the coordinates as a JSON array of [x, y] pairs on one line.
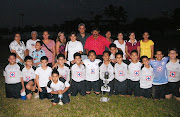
[[89, 105]]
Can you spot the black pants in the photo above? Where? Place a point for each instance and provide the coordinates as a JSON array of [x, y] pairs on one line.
[[78, 87], [13, 90], [133, 86], [120, 87], [44, 94], [65, 98], [159, 91], [147, 93]]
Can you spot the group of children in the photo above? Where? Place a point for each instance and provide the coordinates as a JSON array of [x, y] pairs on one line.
[[159, 77]]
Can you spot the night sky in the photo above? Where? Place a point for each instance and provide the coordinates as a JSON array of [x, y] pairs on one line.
[[48, 12]]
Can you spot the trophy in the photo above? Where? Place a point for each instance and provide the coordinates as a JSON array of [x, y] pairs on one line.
[[105, 88], [60, 99]]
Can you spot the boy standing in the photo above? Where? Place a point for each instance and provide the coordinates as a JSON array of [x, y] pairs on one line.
[[173, 68], [92, 73], [12, 74], [58, 86], [37, 54], [120, 69], [28, 77], [107, 68], [160, 80], [134, 69], [146, 78], [78, 76], [113, 50], [43, 75]]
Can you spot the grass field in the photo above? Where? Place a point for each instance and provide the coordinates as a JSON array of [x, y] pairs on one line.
[[84, 106]]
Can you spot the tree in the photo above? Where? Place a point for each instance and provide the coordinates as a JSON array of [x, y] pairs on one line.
[[116, 12]]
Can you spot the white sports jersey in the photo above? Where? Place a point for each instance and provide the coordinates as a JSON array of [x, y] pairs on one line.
[[92, 69], [146, 77], [60, 85], [12, 74], [173, 70], [134, 70], [28, 74], [72, 48], [64, 72], [109, 68], [118, 45], [120, 71], [78, 72], [18, 48], [112, 56], [30, 45], [43, 75]]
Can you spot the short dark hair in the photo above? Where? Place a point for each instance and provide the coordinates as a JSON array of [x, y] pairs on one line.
[[131, 33], [112, 45], [60, 55], [91, 51], [40, 42], [12, 54], [17, 33], [95, 28], [108, 52], [119, 53], [55, 72], [81, 24], [44, 58], [173, 49], [134, 51], [142, 57], [28, 58], [160, 51], [77, 54]]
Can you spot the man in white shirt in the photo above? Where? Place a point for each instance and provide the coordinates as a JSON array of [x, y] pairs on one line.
[[30, 44]]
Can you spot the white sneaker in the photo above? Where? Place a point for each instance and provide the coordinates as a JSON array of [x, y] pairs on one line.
[[36, 96]]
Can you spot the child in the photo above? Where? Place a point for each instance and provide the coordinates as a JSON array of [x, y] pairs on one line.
[[43, 74], [146, 78], [56, 86], [160, 80], [37, 54], [62, 67], [78, 76], [113, 50], [12, 74], [28, 77], [92, 73], [173, 71], [120, 69], [133, 74], [107, 67]]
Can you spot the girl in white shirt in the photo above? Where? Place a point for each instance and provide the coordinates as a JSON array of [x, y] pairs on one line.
[[72, 47]]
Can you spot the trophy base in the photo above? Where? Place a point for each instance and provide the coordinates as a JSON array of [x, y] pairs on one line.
[[60, 103], [104, 99]]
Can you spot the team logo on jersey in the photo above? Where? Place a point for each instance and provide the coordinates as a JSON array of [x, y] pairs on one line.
[[148, 78], [92, 71], [12, 74], [64, 77], [120, 73], [27, 78], [159, 68], [173, 74], [79, 74], [136, 73]]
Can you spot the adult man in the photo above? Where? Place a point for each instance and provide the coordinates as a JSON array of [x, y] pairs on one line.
[[82, 35], [97, 43], [30, 44]]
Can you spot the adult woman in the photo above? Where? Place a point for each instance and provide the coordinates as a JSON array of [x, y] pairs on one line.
[[19, 48], [132, 44], [108, 36], [49, 48], [60, 43], [147, 46], [72, 47], [121, 44]]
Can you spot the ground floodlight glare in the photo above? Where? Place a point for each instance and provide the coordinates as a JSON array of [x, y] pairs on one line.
[[105, 88]]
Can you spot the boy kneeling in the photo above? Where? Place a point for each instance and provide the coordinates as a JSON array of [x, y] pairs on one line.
[[58, 86]]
